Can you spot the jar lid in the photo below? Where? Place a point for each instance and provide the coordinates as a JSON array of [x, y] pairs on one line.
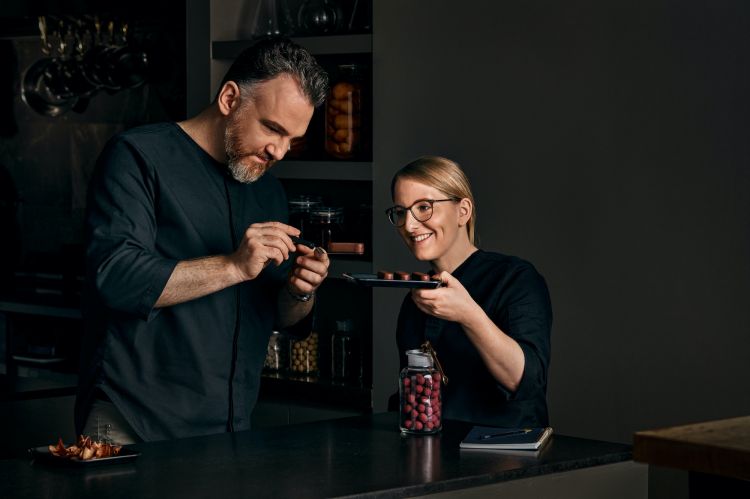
[[344, 326], [304, 203], [418, 358], [350, 72], [327, 213]]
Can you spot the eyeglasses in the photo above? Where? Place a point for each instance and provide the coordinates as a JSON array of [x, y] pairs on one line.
[[420, 210]]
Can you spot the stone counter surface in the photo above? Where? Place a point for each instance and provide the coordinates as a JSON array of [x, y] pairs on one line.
[[363, 456]]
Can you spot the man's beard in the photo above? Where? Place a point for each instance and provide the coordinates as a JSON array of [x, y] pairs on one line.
[[242, 168]]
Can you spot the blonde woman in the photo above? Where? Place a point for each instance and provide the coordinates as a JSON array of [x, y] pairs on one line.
[[489, 323]]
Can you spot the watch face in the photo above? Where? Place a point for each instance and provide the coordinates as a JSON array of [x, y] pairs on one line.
[[305, 297]]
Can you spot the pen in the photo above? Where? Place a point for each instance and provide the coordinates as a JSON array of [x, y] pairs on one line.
[[505, 433], [303, 242]]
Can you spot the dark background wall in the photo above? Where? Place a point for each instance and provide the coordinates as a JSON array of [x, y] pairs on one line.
[[46, 161], [607, 143]]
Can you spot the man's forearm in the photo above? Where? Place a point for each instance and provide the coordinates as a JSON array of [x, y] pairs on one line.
[[193, 279], [290, 310]]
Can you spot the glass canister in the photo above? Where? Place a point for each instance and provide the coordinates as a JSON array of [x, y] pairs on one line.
[[319, 17], [277, 352], [343, 137], [326, 225], [419, 391], [304, 357], [299, 211], [344, 352]]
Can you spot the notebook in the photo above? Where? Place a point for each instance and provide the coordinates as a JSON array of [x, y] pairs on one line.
[[489, 437]]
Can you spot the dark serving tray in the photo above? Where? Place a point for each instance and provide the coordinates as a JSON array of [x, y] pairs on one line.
[[373, 281], [42, 454]]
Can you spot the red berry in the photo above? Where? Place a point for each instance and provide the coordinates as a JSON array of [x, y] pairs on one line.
[[407, 408], [419, 388], [418, 425], [420, 379], [437, 377], [430, 425], [423, 418], [427, 391], [412, 398], [421, 407], [414, 414], [407, 382], [407, 424]]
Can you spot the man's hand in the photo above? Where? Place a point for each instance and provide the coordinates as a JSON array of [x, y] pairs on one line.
[[309, 271], [262, 244]]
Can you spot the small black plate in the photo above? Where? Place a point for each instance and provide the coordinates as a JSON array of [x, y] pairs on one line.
[[373, 281], [42, 454]]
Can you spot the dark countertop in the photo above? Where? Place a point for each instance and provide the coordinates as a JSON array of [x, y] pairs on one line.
[[364, 456]]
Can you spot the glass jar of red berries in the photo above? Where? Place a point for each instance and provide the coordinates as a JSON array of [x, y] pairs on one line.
[[419, 390]]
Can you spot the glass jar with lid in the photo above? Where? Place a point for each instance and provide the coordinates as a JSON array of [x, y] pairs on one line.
[[299, 210], [344, 352], [343, 121], [319, 17], [419, 394], [277, 352], [304, 355], [326, 225]]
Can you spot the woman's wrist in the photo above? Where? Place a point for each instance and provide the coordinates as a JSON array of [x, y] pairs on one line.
[[475, 318]]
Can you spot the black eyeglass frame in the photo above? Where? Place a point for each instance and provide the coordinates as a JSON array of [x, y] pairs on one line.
[[432, 202]]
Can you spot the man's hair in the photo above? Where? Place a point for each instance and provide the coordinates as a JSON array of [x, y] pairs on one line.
[[274, 56]]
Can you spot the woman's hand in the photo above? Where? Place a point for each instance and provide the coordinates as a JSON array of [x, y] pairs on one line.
[[450, 301], [501, 354]]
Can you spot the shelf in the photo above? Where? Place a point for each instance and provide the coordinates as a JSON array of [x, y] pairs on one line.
[[40, 309], [314, 390], [317, 45], [36, 383], [323, 170]]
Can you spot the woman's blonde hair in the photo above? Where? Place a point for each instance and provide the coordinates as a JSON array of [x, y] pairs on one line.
[[444, 175]]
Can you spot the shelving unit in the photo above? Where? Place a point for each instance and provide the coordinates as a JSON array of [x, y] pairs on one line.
[[28, 376], [317, 45], [340, 182], [323, 170]]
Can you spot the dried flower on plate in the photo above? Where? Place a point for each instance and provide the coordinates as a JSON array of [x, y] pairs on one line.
[[84, 449]]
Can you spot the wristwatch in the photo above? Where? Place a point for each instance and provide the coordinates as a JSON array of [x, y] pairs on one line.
[[303, 297]]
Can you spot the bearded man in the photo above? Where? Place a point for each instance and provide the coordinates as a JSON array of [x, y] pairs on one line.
[[189, 262]]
